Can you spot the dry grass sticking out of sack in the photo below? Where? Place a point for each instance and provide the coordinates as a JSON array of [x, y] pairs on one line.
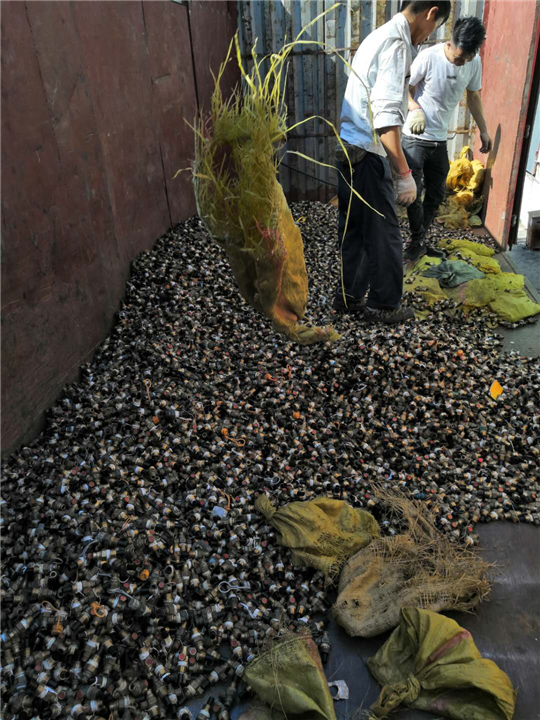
[[420, 568]]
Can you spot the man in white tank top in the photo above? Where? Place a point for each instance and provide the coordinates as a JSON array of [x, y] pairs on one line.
[[439, 77]]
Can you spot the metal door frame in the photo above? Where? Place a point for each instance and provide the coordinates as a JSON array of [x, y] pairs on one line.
[[532, 101]]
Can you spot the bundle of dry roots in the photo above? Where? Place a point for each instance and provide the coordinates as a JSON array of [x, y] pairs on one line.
[[419, 568]]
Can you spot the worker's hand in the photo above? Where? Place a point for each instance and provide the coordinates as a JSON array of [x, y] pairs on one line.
[[486, 142], [417, 122], [405, 188]]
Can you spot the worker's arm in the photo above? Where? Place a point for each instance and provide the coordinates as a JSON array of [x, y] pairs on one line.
[[386, 96], [413, 105], [474, 101], [403, 179], [391, 140], [416, 119], [387, 107]]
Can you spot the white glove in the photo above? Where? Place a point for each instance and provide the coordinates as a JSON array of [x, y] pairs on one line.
[[405, 189], [417, 121]]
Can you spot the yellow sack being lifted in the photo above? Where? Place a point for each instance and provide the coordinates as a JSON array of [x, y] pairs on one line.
[[321, 533], [289, 679], [431, 663], [242, 204]]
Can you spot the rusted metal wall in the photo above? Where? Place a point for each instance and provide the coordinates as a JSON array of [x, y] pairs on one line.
[[513, 32], [317, 79], [94, 96]]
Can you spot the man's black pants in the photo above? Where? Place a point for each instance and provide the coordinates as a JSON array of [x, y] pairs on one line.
[[428, 161], [372, 248]]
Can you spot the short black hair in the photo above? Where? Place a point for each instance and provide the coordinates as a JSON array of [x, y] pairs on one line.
[[418, 6], [468, 34]]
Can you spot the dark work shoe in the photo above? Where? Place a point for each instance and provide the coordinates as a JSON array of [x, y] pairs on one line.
[[417, 250], [354, 305], [389, 316], [434, 252]]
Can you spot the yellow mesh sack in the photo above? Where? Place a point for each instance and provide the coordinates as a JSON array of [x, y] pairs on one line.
[[464, 197], [477, 178], [486, 264], [289, 681], [431, 663], [460, 174], [274, 279], [321, 533], [507, 297], [419, 568], [481, 293], [242, 204], [503, 293], [475, 221], [453, 244], [428, 288], [453, 215], [514, 305]]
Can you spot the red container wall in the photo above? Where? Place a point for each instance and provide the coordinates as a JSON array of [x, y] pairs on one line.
[[94, 96], [512, 34]]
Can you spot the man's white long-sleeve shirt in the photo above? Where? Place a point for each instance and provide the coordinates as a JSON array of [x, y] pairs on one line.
[[382, 64]]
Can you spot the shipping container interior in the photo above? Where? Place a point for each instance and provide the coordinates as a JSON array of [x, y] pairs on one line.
[[149, 413]]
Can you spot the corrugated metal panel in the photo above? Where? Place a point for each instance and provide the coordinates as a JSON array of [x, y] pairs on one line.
[[316, 80]]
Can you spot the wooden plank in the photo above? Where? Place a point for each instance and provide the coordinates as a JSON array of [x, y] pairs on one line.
[[367, 8], [91, 244], [278, 25], [61, 276], [33, 191], [267, 35], [173, 100], [319, 87], [333, 105], [112, 35], [92, 131], [356, 23], [342, 36], [380, 12], [291, 100], [245, 27], [307, 72], [220, 18], [298, 178]]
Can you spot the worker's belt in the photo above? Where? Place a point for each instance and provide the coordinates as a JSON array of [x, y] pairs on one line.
[[356, 154]]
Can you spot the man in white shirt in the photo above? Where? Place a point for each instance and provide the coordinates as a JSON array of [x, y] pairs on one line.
[[373, 112], [439, 77]]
